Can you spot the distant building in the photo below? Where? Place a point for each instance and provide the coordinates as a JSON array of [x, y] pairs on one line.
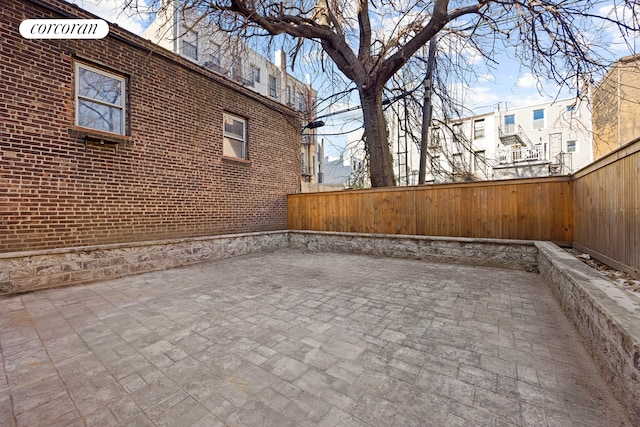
[[552, 138], [616, 106], [217, 51], [336, 172]]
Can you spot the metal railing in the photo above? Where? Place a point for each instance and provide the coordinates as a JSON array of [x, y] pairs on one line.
[[518, 154]]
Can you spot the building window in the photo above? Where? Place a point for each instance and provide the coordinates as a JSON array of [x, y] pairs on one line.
[[538, 119], [480, 161], [234, 137], [189, 44], [273, 87], [301, 106], [571, 111], [289, 96], [510, 124], [458, 163], [100, 100], [255, 75], [212, 58], [236, 68], [572, 146], [457, 131], [478, 128], [434, 138]]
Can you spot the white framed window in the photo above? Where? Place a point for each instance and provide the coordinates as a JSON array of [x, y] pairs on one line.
[[457, 131], [480, 161], [571, 111], [289, 96], [189, 44], [273, 87], [255, 74], [510, 124], [301, 106], [234, 142], [100, 100], [236, 68], [213, 56], [435, 138], [538, 118], [458, 162], [572, 146], [478, 128]]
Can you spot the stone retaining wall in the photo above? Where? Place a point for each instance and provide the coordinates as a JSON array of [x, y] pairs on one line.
[[32, 270], [510, 254], [607, 318]]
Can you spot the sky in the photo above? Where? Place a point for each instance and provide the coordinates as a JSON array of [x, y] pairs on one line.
[[508, 83]]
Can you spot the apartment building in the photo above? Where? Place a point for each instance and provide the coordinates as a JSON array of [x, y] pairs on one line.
[[552, 138], [616, 106], [116, 141], [217, 51]]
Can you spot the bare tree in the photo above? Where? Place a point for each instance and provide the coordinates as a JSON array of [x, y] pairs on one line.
[[369, 42]]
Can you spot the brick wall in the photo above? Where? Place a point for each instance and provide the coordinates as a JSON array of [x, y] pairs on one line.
[[168, 179]]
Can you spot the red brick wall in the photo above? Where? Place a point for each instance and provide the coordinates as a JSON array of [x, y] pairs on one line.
[[169, 181]]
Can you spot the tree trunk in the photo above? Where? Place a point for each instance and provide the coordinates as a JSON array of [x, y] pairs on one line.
[[376, 139]]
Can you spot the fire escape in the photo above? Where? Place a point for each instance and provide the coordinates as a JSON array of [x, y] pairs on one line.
[[516, 146]]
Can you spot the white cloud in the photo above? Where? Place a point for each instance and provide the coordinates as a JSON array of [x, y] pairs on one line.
[[487, 78], [615, 40], [521, 100], [527, 81], [117, 12]]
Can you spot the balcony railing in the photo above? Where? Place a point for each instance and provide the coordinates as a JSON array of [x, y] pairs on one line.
[[519, 154], [511, 134]]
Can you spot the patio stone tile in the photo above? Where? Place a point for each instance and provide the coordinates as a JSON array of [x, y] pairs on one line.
[[256, 413], [293, 338], [30, 396]]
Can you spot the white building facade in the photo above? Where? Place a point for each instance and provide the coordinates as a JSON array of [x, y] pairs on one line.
[[232, 58], [552, 138]]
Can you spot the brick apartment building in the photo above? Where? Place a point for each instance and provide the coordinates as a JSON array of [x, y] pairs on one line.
[[616, 107], [117, 140]]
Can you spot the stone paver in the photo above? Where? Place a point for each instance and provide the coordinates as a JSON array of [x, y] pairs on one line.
[[299, 339]]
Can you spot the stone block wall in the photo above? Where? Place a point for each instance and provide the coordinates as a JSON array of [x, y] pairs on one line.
[[607, 319], [511, 254], [33, 270]]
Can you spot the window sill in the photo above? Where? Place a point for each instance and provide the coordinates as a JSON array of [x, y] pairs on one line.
[[98, 137], [236, 160]]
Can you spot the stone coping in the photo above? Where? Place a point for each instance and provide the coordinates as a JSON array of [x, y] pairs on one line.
[[606, 317], [89, 248]]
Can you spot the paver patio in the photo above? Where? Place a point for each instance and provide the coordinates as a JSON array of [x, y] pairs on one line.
[[290, 338]]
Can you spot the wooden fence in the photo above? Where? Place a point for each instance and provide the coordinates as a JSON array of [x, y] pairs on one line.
[[607, 209], [596, 210], [532, 209]]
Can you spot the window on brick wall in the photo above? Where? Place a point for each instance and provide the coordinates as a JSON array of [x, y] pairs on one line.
[[100, 100], [234, 142]]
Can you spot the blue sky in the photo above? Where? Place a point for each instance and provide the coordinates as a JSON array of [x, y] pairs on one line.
[[508, 83]]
